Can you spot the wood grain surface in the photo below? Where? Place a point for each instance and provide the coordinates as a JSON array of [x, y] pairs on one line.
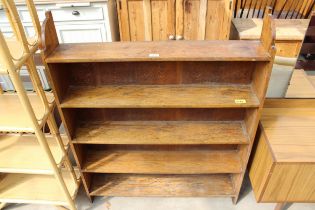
[[286, 29], [161, 185], [300, 86], [290, 133], [160, 132], [291, 183], [160, 96], [162, 161], [160, 51]]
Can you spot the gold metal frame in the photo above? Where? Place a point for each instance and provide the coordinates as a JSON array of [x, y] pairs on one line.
[[11, 65]]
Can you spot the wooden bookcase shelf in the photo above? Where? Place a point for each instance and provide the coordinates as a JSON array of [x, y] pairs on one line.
[[160, 132], [161, 118], [161, 185], [159, 96], [116, 52], [160, 160]]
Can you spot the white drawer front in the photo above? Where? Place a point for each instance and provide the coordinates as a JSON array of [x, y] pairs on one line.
[[78, 13], [81, 33]]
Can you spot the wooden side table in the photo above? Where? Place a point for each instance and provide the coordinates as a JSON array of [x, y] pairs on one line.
[[283, 161], [289, 33]]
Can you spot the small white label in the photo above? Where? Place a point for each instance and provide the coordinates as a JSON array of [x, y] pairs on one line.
[[154, 55], [240, 101]]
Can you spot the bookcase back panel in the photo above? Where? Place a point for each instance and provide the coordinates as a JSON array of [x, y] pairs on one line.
[[159, 73], [159, 114], [170, 147]]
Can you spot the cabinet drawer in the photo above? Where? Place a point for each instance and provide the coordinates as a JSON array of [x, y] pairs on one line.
[[81, 33], [59, 14], [78, 13]]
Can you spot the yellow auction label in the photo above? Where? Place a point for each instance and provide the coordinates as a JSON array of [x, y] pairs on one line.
[[240, 101]]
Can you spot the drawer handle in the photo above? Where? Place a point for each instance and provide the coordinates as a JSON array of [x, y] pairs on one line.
[[75, 12]]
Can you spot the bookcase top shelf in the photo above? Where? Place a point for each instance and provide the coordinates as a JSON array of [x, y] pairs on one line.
[[252, 50]]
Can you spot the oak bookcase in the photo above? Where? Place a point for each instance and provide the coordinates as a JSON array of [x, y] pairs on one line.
[[161, 118]]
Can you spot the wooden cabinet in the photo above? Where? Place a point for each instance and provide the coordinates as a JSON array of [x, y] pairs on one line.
[[283, 165], [289, 33], [146, 19], [161, 118], [174, 19]]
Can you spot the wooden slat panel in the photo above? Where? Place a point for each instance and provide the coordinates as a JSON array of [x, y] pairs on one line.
[[160, 96], [233, 50], [160, 16], [202, 20], [191, 19], [161, 161], [218, 20], [147, 20], [160, 132], [162, 185], [123, 16], [136, 20]]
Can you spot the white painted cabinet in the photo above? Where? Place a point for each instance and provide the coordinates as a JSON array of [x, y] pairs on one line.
[[75, 22]]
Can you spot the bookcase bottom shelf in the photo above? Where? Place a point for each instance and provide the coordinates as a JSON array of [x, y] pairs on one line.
[[31, 188], [129, 185]]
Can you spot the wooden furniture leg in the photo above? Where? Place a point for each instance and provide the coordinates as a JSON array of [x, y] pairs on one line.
[[280, 206]]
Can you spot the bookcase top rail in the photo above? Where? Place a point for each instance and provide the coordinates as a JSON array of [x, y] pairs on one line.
[[160, 51]]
